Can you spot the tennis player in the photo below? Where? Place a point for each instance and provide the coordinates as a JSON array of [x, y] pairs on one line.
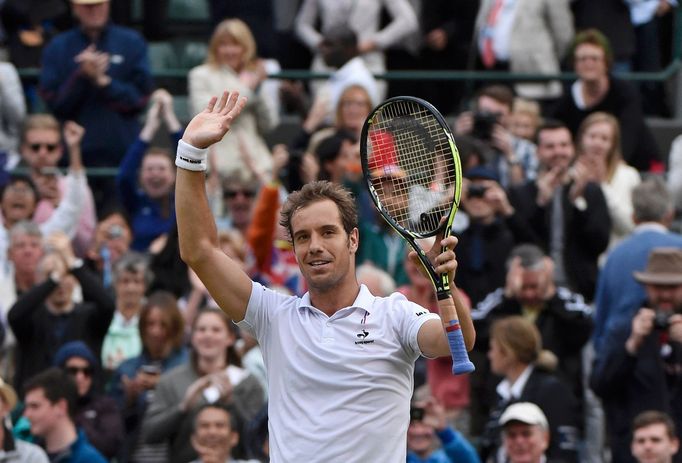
[[339, 360]]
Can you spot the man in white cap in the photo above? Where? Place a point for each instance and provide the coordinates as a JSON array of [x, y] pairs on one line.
[[525, 433]]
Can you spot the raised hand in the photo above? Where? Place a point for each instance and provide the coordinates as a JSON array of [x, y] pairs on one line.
[[211, 125]]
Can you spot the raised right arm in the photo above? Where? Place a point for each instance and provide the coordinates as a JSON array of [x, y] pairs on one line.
[[225, 280]]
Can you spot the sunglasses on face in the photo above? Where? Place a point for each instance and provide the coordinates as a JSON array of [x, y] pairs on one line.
[[231, 194], [73, 371], [50, 147]]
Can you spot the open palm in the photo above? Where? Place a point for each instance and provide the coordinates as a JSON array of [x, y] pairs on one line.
[[211, 124]]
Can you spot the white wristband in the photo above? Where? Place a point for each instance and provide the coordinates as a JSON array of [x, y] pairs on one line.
[[189, 157]]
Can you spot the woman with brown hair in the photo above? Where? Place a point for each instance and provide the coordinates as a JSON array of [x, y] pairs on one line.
[[600, 160], [515, 353], [213, 374], [232, 63], [161, 328]]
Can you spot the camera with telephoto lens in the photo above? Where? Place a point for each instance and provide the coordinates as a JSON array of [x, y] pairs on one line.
[[476, 191], [662, 320], [484, 121]]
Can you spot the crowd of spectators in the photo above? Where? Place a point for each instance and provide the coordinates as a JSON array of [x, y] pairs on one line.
[[111, 349]]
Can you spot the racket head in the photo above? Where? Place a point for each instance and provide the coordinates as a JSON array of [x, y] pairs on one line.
[[411, 166]]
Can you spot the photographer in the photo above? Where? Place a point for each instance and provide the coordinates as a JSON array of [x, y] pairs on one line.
[[486, 242], [640, 365], [512, 158], [427, 421]]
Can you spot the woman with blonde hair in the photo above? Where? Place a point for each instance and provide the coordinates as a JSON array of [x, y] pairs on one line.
[[232, 62], [515, 353], [600, 160]]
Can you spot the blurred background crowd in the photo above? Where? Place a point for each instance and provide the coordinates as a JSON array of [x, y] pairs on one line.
[[569, 252]]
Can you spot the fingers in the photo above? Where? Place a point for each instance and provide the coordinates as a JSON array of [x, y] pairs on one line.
[[211, 104], [222, 102]]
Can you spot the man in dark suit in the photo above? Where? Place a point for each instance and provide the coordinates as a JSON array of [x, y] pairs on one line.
[[562, 213]]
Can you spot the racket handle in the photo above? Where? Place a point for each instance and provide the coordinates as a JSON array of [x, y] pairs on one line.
[[460, 359]]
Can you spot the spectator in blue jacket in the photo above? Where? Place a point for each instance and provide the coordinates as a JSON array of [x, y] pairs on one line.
[[150, 202], [431, 440], [98, 75]]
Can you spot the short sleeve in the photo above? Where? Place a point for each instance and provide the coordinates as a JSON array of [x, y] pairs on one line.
[[263, 304], [409, 318]]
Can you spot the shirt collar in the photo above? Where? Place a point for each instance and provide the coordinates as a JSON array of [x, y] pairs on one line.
[[364, 300], [513, 391], [650, 226]]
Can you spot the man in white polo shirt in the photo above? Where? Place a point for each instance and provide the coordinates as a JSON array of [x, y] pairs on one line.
[[339, 360]]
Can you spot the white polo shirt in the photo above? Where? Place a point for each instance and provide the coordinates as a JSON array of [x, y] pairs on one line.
[[340, 386]]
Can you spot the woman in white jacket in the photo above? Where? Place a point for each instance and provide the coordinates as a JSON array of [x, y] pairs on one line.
[[232, 63]]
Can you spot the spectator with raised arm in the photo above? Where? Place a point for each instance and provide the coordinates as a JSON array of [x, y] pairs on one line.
[[146, 177], [20, 196], [46, 316], [41, 151]]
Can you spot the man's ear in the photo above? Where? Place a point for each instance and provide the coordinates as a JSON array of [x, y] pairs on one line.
[[233, 439], [353, 240]]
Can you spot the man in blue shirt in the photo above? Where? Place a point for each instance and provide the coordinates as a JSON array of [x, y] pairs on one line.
[[50, 399]]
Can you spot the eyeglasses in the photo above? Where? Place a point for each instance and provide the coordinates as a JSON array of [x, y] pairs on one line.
[[231, 194], [73, 371], [50, 147]]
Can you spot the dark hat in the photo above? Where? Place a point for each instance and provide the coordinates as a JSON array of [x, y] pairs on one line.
[[664, 267], [481, 172], [74, 349]]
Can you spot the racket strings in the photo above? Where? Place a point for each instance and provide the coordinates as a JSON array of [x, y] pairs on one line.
[[417, 183]]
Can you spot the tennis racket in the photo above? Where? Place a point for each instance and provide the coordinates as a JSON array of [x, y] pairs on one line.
[[413, 173]]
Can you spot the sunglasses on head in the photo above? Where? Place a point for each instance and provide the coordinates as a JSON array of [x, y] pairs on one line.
[[73, 371], [48, 146], [231, 194]]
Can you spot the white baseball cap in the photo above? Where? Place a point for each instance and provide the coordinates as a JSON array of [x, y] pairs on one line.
[[525, 412]]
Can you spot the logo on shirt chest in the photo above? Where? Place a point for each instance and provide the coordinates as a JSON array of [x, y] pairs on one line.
[[363, 334], [362, 338]]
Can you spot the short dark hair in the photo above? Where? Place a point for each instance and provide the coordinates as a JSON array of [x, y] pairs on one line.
[[330, 148], [233, 415], [500, 93], [56, 385], [20, 178], [549, 124], [319, 191], [596, 38], [531, 256], [649, 417]]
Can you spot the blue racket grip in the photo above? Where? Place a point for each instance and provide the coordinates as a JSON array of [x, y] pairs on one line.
[[460, 359]]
